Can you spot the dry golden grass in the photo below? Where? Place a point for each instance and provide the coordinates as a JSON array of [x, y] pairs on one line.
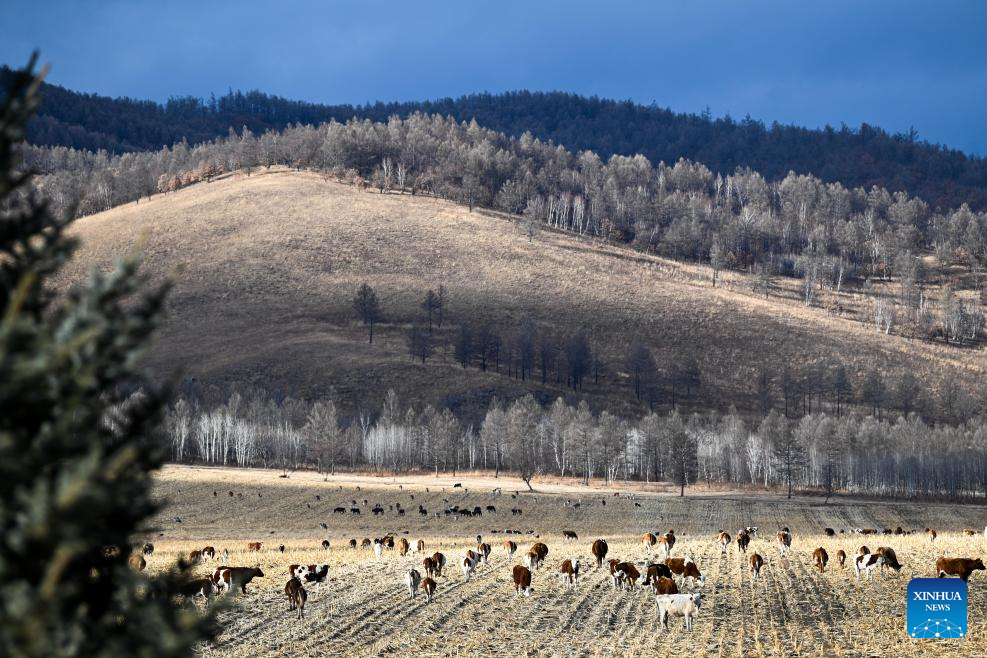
[[792, 611], [271, 263]]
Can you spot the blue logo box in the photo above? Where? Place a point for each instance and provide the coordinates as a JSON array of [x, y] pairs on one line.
[[936, 608]]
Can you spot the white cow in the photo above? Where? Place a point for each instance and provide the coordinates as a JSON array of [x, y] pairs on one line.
[[679, 605], [469, 566]]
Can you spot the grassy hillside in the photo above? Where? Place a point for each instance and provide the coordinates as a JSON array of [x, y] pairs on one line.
[[267, 266]]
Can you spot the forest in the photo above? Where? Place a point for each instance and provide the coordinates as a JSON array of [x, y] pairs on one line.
[[864, 156]]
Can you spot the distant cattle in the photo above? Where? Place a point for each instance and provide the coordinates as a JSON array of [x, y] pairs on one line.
[[931, 534], [208, 553], [428, 586], [756, 562], [491, 508], [686, 568], [970, 532], [569, 535], [958, 566], [225, 579], [296, 596], [438, 563], [784, 540], [570, 574], [420, 546], [841, 558], [378, 547], [723, 539], [743, 539], [412, 579], [516, 512], [325, 544], [354, 510], [522, 580], [281, 548], [820, 557], [148, 548], [339, 510], [199, 587], [253, 546], [194, 557], [599, 550], [830, 532], [366, 543], [352, 543], [225, 556], [678, 605]]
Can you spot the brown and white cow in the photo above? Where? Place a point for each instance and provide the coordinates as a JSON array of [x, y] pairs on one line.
[[867, 563], [863, 550], [931, 534], [253, 546], [531, 560], [666, 542], [664, 585], [420, 546], [756, 563], [429, 566], [599, 550], [403, 546], [841, 558], [468, 564], [199, 587], [723, 539], [366, 543], [522, 580], [510, 548], [310, 573], [626, 572], [653, 572], [208, 553], [970, 532], [428, 586], [226, 579], [958, 566], [438, 563], [743, 539], [412, 579], [541, 549], [686, 568], [296, 596], [784, 540], [821, 558], [194, 557], [483, 550], [570, 574], [649, 539], [569, 535]]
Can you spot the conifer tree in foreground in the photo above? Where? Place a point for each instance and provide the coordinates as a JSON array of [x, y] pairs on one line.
[[75, 453]]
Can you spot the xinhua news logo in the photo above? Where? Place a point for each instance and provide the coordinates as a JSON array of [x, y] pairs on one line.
[[936, 608]]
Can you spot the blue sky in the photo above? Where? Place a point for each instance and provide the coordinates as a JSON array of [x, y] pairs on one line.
[[892, 64]]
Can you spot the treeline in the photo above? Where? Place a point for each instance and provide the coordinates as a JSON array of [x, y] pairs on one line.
[[818, 452], [862, 157]]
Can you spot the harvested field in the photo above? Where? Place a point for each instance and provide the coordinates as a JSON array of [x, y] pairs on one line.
[[793, 610]]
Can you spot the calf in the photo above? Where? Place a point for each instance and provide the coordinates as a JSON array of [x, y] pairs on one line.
[[756, 563], [195, 557], [253, 546], [723, 539], [522, 580], [438, 563], [743, 539], [325, 544], [841, 558], [227, 578], [821, 558], [429, 566], [784, 539], [510, 548], [199, 586], [569, 535], [378, 547], [412, 579], [570, 574], [296, 596], [599, 550], [958, 566], [428, 586], [679, 605], [366, 543], [686, 568], [664, 585]]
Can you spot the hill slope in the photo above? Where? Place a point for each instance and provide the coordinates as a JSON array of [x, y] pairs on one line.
[[271, 263]]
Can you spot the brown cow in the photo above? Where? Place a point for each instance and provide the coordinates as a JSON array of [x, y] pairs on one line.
[[841, 558], [655, 571], [570, 574], [510, 548], [195, 557], [420, 546], [666, 542], [649, 540], [296, 596], [569, 535], [428, 586], [686, 568], [890, 558], [253, 546], [958, 566], [626, 572], [403, 546], [366, 543], [194, 588], [821, 558], [756, 563], [137, 562], [970, 532], [522, 580], [784, 539], [541, 549], [723, 539], [439, 563], [599, 551], [743, 539], [931, 534], [664, 585], [429, 566], [352, 543]]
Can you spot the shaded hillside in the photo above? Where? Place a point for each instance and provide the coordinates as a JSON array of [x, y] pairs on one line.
[[270, 264], [861, 157]]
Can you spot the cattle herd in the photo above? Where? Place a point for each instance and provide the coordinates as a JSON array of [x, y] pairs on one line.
[[673, 580]]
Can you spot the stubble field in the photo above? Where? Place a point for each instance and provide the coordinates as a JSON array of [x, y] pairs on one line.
[[793, 610]]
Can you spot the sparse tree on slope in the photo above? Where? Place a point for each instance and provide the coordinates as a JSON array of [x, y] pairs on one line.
[[367, 307]]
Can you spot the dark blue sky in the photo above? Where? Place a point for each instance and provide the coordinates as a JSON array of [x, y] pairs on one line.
[[891, 63]]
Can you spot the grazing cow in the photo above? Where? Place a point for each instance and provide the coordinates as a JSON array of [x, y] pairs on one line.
[[784, 539], [649, 540], [570, 574], [931, 534], [830, 532], [296, 596], [666, 542], [679, 605], [438, 563], [339, 510], [569, 535], [541, 549], [484, 551], [355, 510], [863, 550], [227, 578], [841, 558], [867, 563], [970, 532], [148, 548], [890, 558], [253, 546], [958, 566], [599, 550], [281, 548], [522, 580], [664, 585], [510, 548], [199, 586], [756, 563], [378, 547], [686, 568], [366, 543], [195, 557], [821, 558], [743, 539], [412, 579], [310, 573], [208, 553], [655, 571], [723, 539], [325, 544], [388, 541], [403, 546], [352, 543], [531, 560], [137, 562], [428, 586], [626, 572]]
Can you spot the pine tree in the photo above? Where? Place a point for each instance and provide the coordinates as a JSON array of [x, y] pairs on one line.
[[75, 454]]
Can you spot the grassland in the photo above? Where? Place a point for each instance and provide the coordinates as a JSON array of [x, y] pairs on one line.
[[792, 611], [267, 266]]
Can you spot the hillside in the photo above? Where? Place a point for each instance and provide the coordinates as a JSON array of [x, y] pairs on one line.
[[856, 157], [270, 263]]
